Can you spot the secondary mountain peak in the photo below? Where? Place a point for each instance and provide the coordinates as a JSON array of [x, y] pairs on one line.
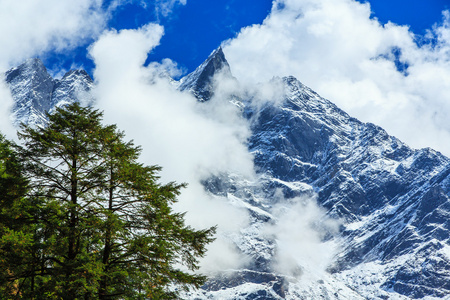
[[35, 92]]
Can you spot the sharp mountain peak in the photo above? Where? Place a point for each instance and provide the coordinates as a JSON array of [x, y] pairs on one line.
[[201, 81]]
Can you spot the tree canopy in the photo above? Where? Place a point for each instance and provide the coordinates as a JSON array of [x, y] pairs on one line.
[[94, 222]]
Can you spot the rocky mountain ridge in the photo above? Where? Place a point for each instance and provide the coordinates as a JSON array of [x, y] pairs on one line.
[[393, 201]]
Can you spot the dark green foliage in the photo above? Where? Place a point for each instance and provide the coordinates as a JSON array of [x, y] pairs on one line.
[[16, 228], [96, 223]]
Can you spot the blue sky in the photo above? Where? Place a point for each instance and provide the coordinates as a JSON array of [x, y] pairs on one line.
[[418, 14], [193, 30]]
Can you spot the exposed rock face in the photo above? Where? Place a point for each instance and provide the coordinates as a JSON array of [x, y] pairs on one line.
[[31, 88], [75, 85]]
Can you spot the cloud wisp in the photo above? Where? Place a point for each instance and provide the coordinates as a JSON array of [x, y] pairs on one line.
[[6, 103], [165, 7], [299, 232], [378, 73]]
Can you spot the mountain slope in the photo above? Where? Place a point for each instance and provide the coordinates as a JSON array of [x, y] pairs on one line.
[[394, 200]]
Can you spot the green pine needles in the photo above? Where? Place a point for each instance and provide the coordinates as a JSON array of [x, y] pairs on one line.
[[81, 218]]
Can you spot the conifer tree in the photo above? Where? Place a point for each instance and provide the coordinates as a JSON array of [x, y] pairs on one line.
[[107, 227], [64, 167]]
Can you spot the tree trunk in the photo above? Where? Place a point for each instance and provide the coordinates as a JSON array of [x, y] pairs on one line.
[[70, 290], [103, 289]]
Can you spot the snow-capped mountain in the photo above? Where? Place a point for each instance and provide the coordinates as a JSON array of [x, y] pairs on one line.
[[386, 208], [35, 92], [393, 201]]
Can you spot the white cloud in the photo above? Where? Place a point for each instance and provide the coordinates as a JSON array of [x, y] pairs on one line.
[[191, 140], [32, 27], [334, 47]]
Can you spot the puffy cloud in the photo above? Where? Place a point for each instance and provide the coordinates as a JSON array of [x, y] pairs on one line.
[[378, 73], [191, 138], [31, 27]]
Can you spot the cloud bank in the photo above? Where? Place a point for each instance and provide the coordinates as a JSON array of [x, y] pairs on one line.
[[382, 74], [189, 139]]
